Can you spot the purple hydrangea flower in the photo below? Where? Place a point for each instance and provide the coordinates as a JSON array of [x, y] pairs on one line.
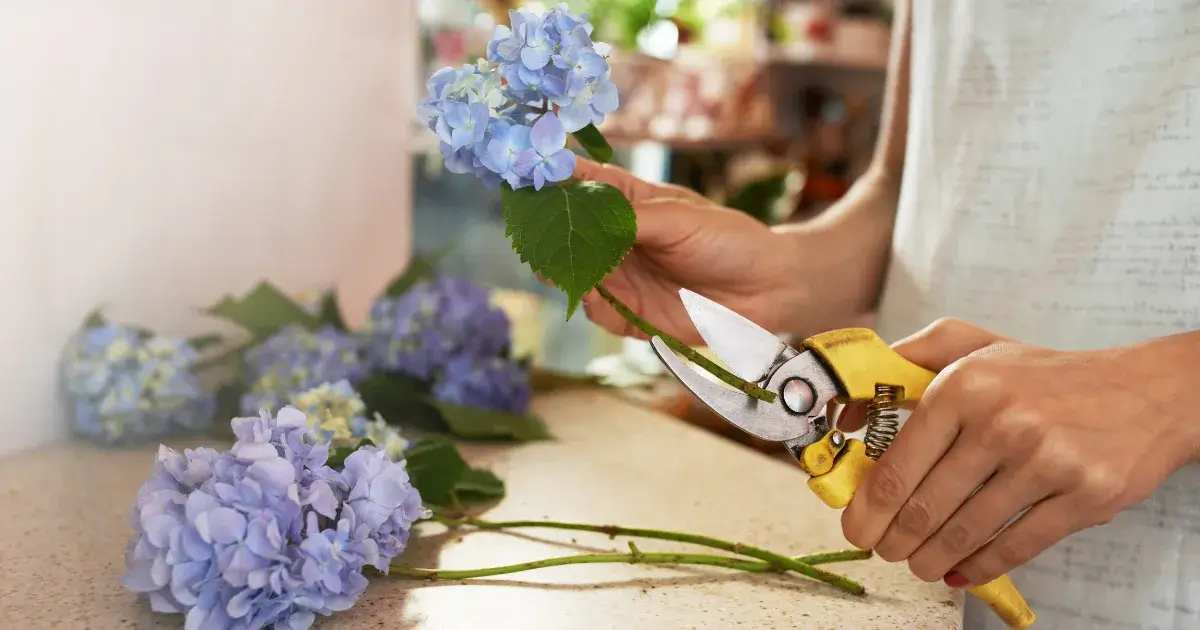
[[128, 386], [490, 383], [265, 535], [539, 69], [294, 360], [420, 331], [383, 499]]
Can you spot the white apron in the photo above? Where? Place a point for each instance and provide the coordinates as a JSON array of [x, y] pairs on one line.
[[1052, 193]]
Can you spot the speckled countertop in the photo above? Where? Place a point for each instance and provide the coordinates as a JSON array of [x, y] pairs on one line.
[[64, 525]]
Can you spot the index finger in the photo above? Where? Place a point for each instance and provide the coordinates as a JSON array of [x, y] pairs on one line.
[[633, 187]]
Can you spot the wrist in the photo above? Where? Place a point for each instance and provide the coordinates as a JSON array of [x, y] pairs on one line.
[[1165, 371], [836, 262]]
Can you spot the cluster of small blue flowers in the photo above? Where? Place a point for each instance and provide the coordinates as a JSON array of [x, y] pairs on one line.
[[128, 386], [486, 383], [294, 360], [337, 415], [505, 119], [266, 534], [446, 331]]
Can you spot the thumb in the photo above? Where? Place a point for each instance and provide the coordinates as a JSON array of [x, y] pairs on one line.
[[633, 187], [934, 348], [665, 223]]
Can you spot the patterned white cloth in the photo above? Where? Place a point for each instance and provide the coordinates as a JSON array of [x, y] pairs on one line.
[[1052, 193]]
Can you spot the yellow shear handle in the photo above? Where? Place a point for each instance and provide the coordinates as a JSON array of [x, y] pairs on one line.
[[860, 360]]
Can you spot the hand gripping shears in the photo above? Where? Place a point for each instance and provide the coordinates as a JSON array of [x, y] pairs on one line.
[[847, 365]]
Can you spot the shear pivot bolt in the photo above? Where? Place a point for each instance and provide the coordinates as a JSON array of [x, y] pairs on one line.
[[798, 395]]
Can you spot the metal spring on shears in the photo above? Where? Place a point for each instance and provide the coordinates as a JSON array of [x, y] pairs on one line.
[[883, 423]]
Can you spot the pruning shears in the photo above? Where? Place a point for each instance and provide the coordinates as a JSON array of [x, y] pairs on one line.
[[842, 366]]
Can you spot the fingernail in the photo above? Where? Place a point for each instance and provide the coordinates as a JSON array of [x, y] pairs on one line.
[[954, 579]]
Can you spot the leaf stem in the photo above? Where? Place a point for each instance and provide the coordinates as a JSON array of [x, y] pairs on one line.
[[727, 377], [779, 561]]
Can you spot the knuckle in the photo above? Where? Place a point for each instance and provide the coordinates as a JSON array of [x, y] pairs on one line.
[[1011, 552], [917, 517], [946, 326], [1100, 486], [956, 538], [886, 485], [1059, 462], [974, 378], [1017, 427]]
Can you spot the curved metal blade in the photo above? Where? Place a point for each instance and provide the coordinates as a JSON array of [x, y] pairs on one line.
[[747, 349], [766, 421]]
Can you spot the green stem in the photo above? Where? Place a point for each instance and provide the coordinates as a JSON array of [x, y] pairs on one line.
[[779, 561], [727, 377], [634, 557], [831, 557]]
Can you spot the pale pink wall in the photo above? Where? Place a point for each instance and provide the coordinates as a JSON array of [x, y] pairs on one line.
[[154, 155]]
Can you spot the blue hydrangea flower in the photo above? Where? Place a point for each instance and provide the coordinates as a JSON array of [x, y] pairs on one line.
[[540, 69], [467, 123], [547, 159], [294, 360], [419, 332], [128, 386], [265, 535], [491, 383], [504, 151]]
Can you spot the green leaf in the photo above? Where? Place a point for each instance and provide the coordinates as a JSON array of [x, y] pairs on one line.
[[330, 313], [400, 401], [595, 144], [94, 319], [436, 468], [479, 484], [472, 423], [574, 233], [263, 311], [204, 342], [418, 269]]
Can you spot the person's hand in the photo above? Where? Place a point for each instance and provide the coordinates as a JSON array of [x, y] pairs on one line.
[[1072, 437], [685, 240]]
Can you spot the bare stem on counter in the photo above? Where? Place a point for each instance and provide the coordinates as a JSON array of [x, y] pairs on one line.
[[777, 561]]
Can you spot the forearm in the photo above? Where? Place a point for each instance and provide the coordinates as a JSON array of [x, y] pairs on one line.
[[842, 255], [841, 258]]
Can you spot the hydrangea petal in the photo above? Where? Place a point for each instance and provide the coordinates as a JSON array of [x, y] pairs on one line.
[[548, 135]]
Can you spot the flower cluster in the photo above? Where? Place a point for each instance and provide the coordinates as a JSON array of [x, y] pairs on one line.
[[486, 383], [447, 333], [505, 119], [265, 534], [337, 415], [128, 386], [294, 360]]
